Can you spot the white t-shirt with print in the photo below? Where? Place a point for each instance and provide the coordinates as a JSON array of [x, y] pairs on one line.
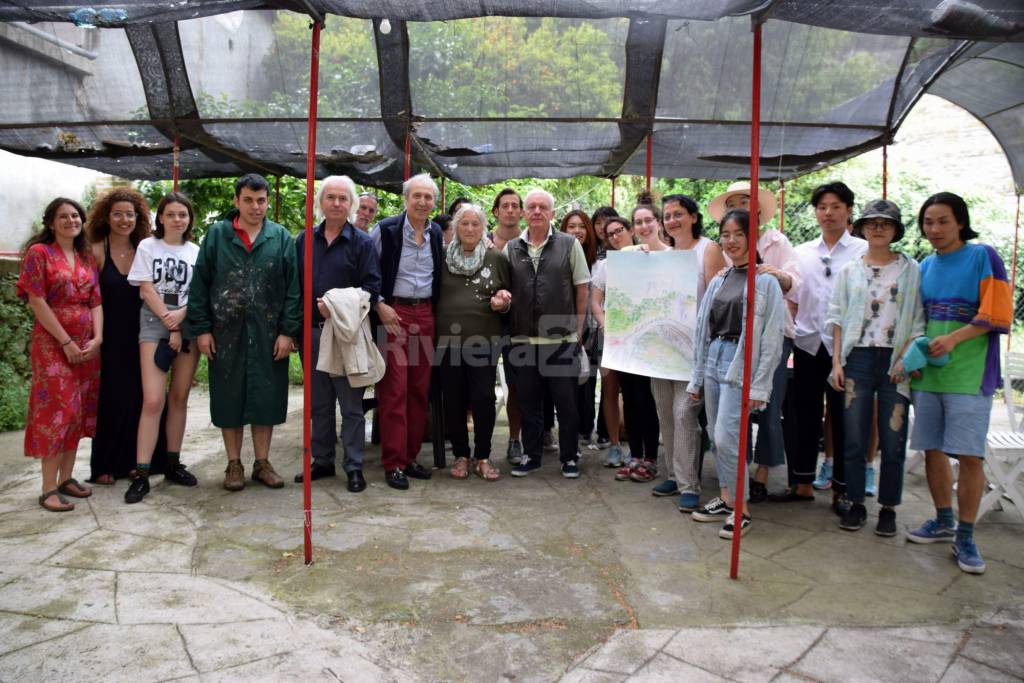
[[168, 266]]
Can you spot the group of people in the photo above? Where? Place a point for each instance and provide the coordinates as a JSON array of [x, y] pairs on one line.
[[400, 305]]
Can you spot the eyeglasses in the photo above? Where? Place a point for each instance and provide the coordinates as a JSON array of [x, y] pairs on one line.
[[646, 221], [130, 215], [613, 233], [827, 261]]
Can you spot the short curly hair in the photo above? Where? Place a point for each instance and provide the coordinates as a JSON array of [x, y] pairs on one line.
[[97, 225]]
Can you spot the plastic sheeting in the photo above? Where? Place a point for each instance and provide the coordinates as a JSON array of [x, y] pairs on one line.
[[553, 88]]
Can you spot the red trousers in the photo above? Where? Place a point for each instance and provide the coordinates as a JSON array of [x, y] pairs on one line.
[[403, 392]]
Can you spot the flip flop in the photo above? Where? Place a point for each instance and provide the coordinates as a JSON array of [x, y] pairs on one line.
[[65, 506], [72, 488]]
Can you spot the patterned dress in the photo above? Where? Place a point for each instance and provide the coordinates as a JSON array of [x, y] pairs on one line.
[[63, 400]]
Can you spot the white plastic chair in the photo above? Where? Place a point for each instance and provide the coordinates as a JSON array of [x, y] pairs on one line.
[[1013, 370], [1004, 468]]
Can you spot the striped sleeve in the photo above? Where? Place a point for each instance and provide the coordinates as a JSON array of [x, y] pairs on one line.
[[995, 305]]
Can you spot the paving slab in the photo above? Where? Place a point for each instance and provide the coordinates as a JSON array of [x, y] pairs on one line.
[[520, 580]]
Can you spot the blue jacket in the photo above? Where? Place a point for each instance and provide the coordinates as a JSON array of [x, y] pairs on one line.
[[769, 321]]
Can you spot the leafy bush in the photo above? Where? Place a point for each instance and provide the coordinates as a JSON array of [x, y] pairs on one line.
[[15, 367]]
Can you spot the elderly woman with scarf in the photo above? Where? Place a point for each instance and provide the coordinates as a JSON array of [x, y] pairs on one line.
[[474, 292]]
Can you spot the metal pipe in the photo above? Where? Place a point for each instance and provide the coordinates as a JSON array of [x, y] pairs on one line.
[[1013, 273], [748, 341], [613, 192], [176, 163], [54, 40], [782, 205], [885, 171], [307, 299], [277, 199], [648, 176], [408, 156]]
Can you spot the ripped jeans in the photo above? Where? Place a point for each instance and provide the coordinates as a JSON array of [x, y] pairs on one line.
[[867, 378]]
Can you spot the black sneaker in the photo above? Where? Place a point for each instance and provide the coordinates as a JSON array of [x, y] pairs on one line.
[[137, 490], [729, 528], [841, 504], [714, 511], [886, 522], [179, 475], [854, 517], [758, 492], [571, 469]]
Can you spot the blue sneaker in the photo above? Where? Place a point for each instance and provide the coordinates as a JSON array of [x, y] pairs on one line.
[[932, 532], [824, 480], [968, 557], [665, 488], [616, 457], [688, 502], [526, 466], [870, 482], [571, 469]]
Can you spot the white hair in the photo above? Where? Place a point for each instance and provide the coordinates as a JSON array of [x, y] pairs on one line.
[[350, 188], [550, 197], [468, 208], [420, 178]]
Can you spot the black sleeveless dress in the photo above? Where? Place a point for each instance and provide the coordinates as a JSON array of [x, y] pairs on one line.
[[120, 404]]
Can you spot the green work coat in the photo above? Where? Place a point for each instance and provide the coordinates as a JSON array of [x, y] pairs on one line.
[[246, 299]]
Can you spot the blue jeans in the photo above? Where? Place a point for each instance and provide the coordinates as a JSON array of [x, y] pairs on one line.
[[722, 403], [867, 377], [771, 447]]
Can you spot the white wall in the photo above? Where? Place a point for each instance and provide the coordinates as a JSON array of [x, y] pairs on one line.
[[27, 185]]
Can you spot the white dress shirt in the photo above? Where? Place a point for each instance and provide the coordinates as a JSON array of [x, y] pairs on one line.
[[818, 267]]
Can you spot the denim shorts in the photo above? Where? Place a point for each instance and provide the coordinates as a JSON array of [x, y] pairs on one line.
[[956, 424], [151, 328]]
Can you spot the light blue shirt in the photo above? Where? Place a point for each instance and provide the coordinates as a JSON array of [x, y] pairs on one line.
[[415, 276]]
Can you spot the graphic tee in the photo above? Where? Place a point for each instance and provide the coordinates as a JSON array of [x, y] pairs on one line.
[[168, 266]]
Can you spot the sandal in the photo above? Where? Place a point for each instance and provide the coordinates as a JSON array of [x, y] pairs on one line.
[[104, 480], [65, 504], [72, 488], [460, 470], [486, 471]]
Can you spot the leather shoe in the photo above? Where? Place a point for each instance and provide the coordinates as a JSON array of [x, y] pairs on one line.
[[317, 471], [417, 471], [263, 472], [396, 479], [356, 483]]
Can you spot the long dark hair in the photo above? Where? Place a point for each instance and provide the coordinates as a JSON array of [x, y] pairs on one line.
[[47, 234], [175, 198], [957, 205], [590, 243], [742, 218], [97, 226]]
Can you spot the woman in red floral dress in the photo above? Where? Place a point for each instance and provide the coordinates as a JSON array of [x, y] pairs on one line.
[[59, 280]]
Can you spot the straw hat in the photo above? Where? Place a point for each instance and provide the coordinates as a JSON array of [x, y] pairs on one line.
[[766, 205]]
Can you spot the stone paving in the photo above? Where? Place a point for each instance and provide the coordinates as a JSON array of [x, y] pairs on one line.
[[521, 580]]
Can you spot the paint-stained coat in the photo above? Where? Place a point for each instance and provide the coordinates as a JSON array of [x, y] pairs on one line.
[[246, 299]]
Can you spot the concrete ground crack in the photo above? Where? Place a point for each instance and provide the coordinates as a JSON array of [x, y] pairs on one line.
[[184, 646], [789, 667]]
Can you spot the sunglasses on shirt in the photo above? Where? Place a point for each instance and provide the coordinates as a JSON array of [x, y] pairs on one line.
[[827, 262]]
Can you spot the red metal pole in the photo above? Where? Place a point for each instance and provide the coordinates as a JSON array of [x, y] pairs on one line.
[[175, 168], [741, 457], [782, 205], [613, 193], [649, 146], [1013, 270], [885, 171], [408, 156], [277, 199], [443, 204], [307, 296]]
